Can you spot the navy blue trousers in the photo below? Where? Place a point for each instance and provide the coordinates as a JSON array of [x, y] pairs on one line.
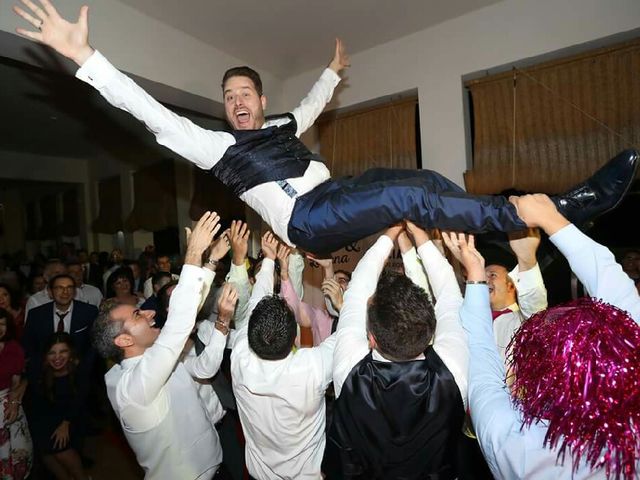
[[339, 212]]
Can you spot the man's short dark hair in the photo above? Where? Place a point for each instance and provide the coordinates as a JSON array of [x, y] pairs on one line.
[[53, 281], [401, 317], [104, 331], [159, 276], [244, 71], [272, 328]]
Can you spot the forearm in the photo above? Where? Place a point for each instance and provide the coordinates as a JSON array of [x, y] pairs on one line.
[[413, 269], [207, 364], [159, 360], [489, 398], [596, 267], [315, 101], [201, 147], [532, 294]]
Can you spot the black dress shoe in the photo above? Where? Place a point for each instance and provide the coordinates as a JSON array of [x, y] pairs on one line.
[[602, 192]]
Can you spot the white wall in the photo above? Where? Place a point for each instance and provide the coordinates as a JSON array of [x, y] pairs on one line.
[[144, 46], [435, 59]]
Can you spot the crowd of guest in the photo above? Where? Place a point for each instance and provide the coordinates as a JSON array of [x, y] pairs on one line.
[[221, 338]]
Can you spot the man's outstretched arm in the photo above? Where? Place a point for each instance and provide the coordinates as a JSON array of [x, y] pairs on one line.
[[320, 94], [200, 146]]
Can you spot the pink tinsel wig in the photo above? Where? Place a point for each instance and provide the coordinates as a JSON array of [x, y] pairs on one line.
[[577, 366]]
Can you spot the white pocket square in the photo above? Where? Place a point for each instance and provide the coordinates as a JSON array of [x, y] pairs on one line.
[[81, 330]]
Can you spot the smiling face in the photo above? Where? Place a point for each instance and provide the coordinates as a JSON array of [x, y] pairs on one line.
[[502, 291], [138, 332], [122, 286], [62, 290], [243, 105], [58, 357]]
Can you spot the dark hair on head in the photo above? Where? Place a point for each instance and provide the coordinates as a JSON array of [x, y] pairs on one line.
[[14, 301], [54, 279], [156, 278], [272, 328], [401, 317], [243, 71], [344, 272], [48, 377], [104, 331], [10, 334], [122, 272], [163, 295]]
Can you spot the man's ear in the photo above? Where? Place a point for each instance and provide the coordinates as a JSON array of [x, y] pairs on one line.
[[372, 340], [123, 340], [263, 100]]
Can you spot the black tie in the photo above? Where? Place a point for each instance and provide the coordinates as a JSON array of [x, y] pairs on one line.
[[61, 316]]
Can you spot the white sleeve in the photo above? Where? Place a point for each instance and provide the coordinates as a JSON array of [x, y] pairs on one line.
[[202, 147], [414, 270], [450, 342], [315, 101], [352, 343], [158, 361], [532, 294], [597, 269], [207, 364]]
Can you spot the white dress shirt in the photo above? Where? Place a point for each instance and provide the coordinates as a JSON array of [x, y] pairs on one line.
[[449, 341], [281, 403], [204, 147], [205, 366], [532, 298], [90, 294], [66, 320], [513, 452], [157, 401]]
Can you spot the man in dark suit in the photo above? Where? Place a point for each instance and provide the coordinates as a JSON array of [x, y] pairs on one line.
[[63, 314]]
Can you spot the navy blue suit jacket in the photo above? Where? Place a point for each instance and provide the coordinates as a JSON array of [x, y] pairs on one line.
[[39, 328]]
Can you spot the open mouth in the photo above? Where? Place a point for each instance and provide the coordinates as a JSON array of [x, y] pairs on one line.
[[242, 117]]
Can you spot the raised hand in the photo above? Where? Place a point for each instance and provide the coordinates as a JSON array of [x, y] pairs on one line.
[[68, 39], [537, 210], [220, 247], [269, 245], [332, 289], [340, 59], [239, 237], [394, 231], [283, 259], [525, 244], [419, 235], [404, 242], [201, 237], [325, 263], [463, 248], [227, 303]]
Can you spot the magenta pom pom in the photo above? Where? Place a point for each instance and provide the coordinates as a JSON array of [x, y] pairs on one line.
[[577, 366]]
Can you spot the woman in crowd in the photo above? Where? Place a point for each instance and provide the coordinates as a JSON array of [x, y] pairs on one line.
[[57, 420], [15, 441], [10, 302], [120, 287]]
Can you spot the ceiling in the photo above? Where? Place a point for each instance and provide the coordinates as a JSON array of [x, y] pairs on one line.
[[286, 37]]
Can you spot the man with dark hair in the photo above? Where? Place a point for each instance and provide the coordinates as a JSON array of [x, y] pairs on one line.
[[158, 280], [88, 293], [280, 391], [268, 167], [163, 265], [400, 370], [150, 390], [63, 314]]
